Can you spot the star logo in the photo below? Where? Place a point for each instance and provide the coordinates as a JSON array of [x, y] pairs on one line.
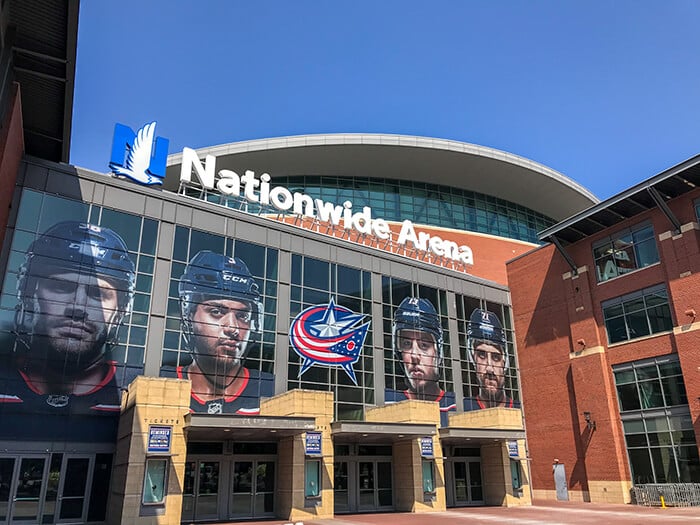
[[328, 335]]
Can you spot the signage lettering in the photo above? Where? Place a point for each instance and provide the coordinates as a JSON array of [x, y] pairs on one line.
[[259, 190]]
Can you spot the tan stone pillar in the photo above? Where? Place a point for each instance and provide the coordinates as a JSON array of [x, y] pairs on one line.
[[408, 463], [290, 501], [149, 401], [495, 460]]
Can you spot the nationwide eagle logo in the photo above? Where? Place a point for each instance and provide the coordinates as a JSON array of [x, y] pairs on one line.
[[139, 156], [328, 335]]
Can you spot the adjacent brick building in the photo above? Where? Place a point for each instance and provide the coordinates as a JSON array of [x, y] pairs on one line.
[[608, 342]]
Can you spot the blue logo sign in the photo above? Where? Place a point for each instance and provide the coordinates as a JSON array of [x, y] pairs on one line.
[[159, 439], [313, 443], [328, 335], [426, 447], [139, 156], [513, 449]]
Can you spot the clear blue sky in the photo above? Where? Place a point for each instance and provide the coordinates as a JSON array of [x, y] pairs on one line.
[[606, 92]]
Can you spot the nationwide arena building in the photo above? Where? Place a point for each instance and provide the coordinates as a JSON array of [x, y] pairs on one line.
[[294, 327]]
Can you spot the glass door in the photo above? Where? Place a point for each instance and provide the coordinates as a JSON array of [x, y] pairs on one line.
[[200, 495], [375, 489], [340, 486], [7, 469], [253, 489], [461, 483], [468, 486], [476, 488], [366, 479], [73, 489], [26, 497]]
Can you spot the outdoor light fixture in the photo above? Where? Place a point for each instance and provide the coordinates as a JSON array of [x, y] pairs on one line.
[[690, 312], [589, 422]]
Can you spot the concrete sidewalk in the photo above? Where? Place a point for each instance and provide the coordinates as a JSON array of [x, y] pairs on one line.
[[540, 513]]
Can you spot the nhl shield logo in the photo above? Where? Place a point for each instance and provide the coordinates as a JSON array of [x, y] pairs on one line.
[[57, 400], [215, 408]]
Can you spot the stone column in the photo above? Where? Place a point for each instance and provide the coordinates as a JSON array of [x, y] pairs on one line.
[[149, 401], [290, 501]]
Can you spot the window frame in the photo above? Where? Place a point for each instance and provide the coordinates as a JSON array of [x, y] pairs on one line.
[[653, 322], [633, 245]]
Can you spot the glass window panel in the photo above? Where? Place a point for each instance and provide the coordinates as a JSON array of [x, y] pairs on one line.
[[128, 226], [624, 376], [646, 372], [656, 424], [636, 440], [674, 391], [640, 463], [614, 310], [650, 394], [313, 477], [670, 369], [664, 465], [617, 330], [633, 305], [688, 464], [66, 209], [629, 399], [316, 273], [149, 236], [646, 253], [660, 319]]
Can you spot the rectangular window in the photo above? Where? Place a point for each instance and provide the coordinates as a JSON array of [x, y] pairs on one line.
[[628, 250], [637, 314], [154, 482], [660, 443], [312, 478], [428, 476]]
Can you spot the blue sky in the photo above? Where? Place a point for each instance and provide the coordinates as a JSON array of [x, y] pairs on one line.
[[606, 92]]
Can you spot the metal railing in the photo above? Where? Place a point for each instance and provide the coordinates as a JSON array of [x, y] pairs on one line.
[[674, 494]]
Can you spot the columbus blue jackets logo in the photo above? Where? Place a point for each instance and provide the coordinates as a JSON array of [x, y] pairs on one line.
[[328, 335]]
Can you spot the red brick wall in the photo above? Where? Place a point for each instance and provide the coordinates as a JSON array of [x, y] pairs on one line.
[[560, 380]]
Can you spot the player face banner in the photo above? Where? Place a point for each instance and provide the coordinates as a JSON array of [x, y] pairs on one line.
[[72, 317]]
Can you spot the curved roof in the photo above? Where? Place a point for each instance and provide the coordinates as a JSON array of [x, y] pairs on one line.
[[435, 161]]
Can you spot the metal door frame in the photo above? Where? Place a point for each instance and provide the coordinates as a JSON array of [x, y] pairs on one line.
[[470, 501], [61, 486], [255, 459], [197, 459], [13, 486]]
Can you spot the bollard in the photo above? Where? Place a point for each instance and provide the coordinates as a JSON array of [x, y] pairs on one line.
[[663, 502]]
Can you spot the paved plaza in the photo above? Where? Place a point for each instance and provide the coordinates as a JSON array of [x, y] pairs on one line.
[[541, 513]]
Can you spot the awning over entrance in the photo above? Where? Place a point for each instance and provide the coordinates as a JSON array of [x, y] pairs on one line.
[[478, 436], [221, 427], [364, 432]]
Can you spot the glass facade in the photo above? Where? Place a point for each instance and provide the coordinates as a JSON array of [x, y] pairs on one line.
[[395, 200], [73, 316], [479, 375], [317, 358], [656, 421]]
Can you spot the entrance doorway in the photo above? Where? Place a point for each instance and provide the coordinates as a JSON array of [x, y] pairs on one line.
[[468, 487], [230, 487], [363, 480], [46, 488], [464, 482]]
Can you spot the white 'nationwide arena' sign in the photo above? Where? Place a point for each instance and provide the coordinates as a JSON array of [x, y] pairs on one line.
[[259, 190]]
